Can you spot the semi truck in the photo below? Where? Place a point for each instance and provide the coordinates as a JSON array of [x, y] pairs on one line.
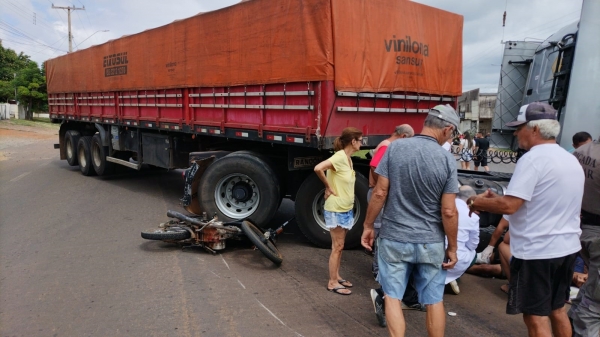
[[562, 70], [248, 98]]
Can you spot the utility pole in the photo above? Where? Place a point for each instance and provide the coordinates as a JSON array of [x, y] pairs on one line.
[[69, 9]]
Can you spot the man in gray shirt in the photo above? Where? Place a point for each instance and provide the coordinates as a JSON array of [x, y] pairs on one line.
[[418, 184]]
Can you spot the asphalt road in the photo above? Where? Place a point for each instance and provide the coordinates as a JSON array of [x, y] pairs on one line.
[[72, 263]]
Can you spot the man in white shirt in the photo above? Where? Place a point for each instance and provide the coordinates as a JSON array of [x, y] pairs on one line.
[[543, 200], [467, 239]]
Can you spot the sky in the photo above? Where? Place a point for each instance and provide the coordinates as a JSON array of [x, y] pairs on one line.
[[38, 30]]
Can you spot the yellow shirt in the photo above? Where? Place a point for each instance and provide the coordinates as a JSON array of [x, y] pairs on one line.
[[341, 182]]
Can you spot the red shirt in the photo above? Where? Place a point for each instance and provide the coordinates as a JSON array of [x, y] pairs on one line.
[[374, 162], [377, 158]]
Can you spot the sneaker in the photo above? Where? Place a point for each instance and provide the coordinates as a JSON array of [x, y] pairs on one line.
[[454, 287], [416, 306], [378, 306]]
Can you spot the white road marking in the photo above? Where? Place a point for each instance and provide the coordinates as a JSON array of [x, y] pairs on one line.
[[225, 262], [277, 318], [240, 282], [19, 176], [215, 274]]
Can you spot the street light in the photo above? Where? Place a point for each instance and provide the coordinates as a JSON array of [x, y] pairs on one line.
[[104, 31]]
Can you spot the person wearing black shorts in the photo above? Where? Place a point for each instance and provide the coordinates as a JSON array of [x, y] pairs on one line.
[[542, 200], [539, 287], [482, 145]]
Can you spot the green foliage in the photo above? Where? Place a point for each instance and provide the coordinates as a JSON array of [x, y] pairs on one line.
[[30, 81], [11, 62]]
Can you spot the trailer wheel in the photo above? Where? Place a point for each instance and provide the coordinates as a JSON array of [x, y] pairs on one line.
[[257, 237], [240, 186], [84, 156], [310, 201], [99, 153], [71, 140]]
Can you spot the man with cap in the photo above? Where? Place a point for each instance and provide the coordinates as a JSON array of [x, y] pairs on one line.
[[418, 184], [543, 200], [409, 300]]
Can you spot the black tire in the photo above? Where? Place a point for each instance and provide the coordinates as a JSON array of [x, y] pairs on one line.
[[84, 156], [71, 141], [99, 154], [166, 235], [309, 212], [263, 244], [255, 192]]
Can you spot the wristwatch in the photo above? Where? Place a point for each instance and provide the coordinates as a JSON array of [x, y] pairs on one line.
[[471, 203]]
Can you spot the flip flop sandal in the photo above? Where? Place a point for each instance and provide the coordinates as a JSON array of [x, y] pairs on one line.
[[337, 291], [345, 283], [504, 288]]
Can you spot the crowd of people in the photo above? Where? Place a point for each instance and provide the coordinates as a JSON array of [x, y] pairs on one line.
[[423, 227], [471, 150]]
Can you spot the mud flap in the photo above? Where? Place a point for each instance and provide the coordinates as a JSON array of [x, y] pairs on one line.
[[190, 200]]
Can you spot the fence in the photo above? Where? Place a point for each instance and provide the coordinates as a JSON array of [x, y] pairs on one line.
[[4, 111]]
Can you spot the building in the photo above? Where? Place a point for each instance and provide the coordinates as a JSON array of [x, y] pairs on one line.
[[476, 111]]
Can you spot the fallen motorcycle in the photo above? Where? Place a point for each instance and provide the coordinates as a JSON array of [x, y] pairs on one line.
[[211, 234]]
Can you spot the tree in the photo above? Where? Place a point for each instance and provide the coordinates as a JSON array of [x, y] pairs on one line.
[[11, 62], [30, 81], [31, 89]]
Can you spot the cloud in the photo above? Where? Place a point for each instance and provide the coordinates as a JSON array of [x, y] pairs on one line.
[[482, 33]]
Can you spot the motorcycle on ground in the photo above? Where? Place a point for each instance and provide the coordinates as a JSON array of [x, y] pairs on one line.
[[211, 234]]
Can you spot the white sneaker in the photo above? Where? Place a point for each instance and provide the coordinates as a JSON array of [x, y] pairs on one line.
[[379, 308], [454, 286]]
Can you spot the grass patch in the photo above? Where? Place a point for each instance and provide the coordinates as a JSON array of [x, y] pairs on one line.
[[36, 122], [361, 154]]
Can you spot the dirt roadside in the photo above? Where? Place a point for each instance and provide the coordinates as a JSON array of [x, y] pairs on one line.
[[14, 134]]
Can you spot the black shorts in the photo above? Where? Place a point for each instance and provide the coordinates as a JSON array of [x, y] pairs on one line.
[[480, 160], [538, 287]]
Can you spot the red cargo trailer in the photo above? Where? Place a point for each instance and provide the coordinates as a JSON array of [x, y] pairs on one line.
[[256, 92]]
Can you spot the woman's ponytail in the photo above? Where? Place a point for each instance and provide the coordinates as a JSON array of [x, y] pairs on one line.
[[337, 144], [348, 134]]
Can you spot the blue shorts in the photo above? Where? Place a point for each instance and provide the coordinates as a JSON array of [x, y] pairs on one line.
[[335, 219], [397, 260]]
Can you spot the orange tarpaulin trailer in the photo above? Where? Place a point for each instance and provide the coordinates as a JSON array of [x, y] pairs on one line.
[[362, 45]]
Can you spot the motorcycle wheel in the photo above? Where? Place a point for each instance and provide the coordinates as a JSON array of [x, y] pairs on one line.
[[162, 234], [263, 244]]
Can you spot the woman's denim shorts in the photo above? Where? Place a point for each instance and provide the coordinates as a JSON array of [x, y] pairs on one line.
[[335, 219]]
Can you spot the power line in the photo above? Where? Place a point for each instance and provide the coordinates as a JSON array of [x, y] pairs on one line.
[[36, 44], [88, 17], [69, 9], [29, 48], [19, 33], [27, 14]]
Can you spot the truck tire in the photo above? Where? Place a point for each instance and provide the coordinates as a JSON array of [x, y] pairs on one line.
[[84, 156], [99, 153], [263, 244], [240, 186], [71, 141], [309, 211], [166, 234]]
